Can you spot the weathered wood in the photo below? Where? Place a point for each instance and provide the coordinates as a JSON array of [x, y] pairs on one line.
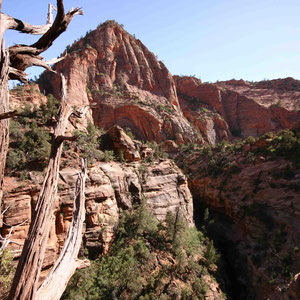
[[67, 263], [5, 241], [16, 24], [13, 63], [4, 123], [22, 56], [8, 114], [26, 279], [60, 25]]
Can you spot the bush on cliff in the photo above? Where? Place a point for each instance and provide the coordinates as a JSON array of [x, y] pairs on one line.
[[148, 260], [29, 139], [6, 272], [28, 147]]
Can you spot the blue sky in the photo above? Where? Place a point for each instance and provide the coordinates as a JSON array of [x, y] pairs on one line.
[[212, 39]]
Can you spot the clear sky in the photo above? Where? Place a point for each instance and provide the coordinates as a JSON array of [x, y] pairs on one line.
[[212, 39]]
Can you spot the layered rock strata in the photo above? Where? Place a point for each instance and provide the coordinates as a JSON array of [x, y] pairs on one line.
[[111, 188], [122, 83], [238, 108]]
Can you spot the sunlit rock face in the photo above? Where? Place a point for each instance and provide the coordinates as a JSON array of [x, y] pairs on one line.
[[236, 108], [122, 83], [111, 187]]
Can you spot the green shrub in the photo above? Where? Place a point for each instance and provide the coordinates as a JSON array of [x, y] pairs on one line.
[[158, 153], [88, 143], [6, 272], [108, 156], [29, 140], [210, 254], [30, 147], [131, 271], [50, 109]]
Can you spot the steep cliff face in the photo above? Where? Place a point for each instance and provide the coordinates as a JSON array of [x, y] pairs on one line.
[[238, 108], [123, 83], [254, 193], [254, 188], [111, 188]]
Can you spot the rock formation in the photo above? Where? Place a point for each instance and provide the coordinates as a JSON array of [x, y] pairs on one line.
[[237, 107], [122, 85], [253, 187], [111, 187]]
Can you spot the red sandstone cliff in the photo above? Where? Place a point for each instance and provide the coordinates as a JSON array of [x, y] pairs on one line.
[[237, 107], [123, 83]]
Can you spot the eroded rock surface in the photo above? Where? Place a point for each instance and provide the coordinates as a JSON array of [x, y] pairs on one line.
[[238, 108], [255, 198], [111, 187], [123, 83]]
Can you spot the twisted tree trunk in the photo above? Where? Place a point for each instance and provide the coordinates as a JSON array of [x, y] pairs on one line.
[[26, 279], [57, 280], [13, 63], [4, 123]]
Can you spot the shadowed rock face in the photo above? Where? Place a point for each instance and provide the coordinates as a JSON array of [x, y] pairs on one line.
[[255, 198]]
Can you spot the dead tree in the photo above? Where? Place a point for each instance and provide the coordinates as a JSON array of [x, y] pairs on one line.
[[26, 278], [4, 106], [4, 242], [13, 63], [15, 59], [67, 263]]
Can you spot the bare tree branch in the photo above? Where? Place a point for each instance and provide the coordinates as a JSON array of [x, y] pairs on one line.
[[16, 74], [60, 25], [4, 107], [28, 61], [5, 241], [24, 56], [8, 114], [16, 24], [55, 60]]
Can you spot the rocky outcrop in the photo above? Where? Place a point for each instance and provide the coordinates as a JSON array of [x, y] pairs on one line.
[[117, 140], [236, 107], [111, 187], [28, 94], [207, 118], [255, 199], [123, 83]]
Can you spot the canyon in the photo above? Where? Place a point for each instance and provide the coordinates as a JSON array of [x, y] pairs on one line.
[[219, 138]]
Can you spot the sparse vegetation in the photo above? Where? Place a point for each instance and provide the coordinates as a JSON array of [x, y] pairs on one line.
[[30, 147], [6, 272], [146, 259], [158, 152], [89, 142]]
